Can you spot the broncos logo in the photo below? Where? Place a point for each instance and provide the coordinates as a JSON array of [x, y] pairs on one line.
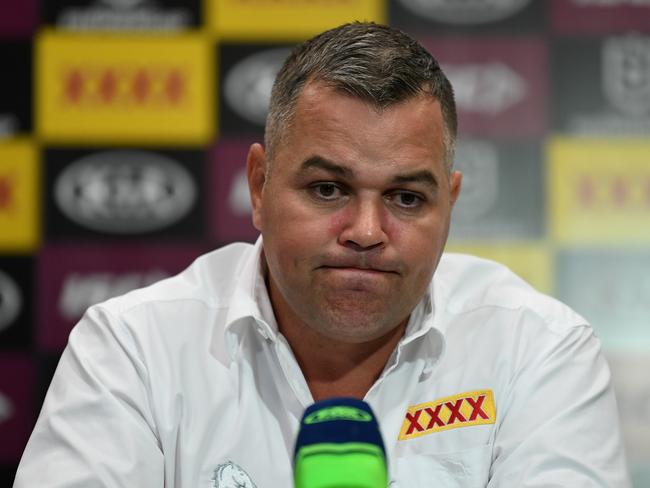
[[229, 475]]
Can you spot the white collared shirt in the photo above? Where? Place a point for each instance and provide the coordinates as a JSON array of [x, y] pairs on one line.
[[188, 384]]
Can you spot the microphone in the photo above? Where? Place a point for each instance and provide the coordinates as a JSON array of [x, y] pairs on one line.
[[339, 445]]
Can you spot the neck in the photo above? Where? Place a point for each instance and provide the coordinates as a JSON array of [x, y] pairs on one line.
[[336, 368]]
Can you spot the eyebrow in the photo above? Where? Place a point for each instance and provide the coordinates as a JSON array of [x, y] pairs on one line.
[[318, 162], [423, 176]]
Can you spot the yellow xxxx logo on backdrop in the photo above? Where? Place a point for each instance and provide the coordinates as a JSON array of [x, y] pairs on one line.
[[137, 89], [600, 190]]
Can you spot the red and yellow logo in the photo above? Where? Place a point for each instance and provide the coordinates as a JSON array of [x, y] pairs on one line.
[[462, 410], [126, 85], [18, 196], [600, 191], [125, 89]]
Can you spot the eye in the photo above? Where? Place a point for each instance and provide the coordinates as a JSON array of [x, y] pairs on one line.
[[406, 199], [326, 191]]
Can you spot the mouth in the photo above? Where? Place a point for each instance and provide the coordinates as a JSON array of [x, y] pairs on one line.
[[358, 269], [360, 265]]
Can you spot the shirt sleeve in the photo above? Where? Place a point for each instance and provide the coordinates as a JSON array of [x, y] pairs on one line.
[[560, 425], [96, 427]]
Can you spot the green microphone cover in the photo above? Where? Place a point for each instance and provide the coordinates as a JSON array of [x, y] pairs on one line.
[[339, 445]]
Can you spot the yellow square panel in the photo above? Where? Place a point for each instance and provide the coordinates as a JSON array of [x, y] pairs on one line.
[[287, 19], [532, 262], [599, 191], [19, 201], [124, 88]]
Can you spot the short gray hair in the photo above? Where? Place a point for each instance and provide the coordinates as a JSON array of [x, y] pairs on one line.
[[376, 63]]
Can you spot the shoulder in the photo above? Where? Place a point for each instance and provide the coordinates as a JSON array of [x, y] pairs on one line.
[[470, 284], [188, 311], [210, 280]]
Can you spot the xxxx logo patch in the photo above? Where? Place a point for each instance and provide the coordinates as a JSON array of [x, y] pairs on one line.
[[462, 410]]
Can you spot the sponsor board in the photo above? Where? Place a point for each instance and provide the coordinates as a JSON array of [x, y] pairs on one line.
[[467, 16], [74, 277], [601, 87], [231, 207], [18, 19], [503, 192], [287, 19], [19, 195], [463, 410], [599, 191], [247, 73], [17, 408], [16, 297], [611, 288], [500, 84], [122, 15], [15, 88], [124, 193], [579, 17], [532, 262], [124, 89]]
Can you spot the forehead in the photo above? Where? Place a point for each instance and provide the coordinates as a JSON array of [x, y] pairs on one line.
[[345, 128]]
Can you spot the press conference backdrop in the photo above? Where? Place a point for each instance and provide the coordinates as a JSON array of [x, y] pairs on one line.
[[124, 126]]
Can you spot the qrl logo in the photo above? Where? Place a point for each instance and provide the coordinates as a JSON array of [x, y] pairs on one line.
[[463, 410], [124, 85], [626, 74]]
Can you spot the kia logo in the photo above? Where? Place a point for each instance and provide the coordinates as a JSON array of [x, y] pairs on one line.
[[490, 88], [247, 86], [125, 192], [465, 11], [11, 301]]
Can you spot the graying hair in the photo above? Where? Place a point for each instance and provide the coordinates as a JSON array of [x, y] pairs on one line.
[[378, 64]]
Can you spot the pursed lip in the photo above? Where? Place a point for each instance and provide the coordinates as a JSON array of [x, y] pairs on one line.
[[357, 269], [356, 265]]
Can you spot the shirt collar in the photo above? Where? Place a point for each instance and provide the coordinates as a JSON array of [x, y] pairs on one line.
[[250, 302]]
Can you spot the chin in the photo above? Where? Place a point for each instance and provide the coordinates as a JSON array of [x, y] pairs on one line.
[[355, 328]]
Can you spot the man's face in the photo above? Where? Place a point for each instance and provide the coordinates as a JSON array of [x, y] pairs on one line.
[[354, 213]]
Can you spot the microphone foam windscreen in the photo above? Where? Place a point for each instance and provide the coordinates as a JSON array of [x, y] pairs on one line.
[[339, 445]]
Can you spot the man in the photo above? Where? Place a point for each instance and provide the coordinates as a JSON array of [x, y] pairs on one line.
[[201, 379]]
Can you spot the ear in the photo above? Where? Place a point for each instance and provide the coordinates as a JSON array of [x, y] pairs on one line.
[[256, 173], [456, 183]]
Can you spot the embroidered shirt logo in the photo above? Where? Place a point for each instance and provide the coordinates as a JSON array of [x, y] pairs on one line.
[[462, 410], [229, 475]]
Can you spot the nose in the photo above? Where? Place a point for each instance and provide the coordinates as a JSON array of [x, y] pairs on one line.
[[364, 227]]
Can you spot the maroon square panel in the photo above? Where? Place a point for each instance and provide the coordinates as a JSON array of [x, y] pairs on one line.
[[17, 18], [230, 204], [72, 278], [500, 84]]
